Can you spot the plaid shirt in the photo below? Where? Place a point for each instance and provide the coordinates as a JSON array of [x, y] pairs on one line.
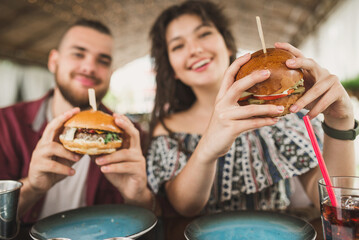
[[21, 127]]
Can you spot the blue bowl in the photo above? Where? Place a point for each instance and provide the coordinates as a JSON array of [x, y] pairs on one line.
[[249, 225], [95, 223]]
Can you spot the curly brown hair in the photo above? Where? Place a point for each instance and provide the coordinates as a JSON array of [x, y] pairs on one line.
[[172, 95]]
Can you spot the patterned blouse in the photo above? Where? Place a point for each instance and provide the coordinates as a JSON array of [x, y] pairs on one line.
[[255, 172]]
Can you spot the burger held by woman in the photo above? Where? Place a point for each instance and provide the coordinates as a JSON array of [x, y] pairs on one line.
[[210, 154]]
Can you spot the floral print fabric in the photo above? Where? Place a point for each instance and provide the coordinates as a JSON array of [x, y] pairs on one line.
[[255, 172]]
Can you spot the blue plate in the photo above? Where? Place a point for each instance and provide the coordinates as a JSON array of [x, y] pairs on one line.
[[95, 222], [249, 225]]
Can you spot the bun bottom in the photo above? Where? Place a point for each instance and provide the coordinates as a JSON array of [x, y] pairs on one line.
[[284, 101], [91, 151], [90, 147]]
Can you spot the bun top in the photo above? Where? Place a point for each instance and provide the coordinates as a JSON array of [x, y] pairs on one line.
[[93, 120], [281, 78]]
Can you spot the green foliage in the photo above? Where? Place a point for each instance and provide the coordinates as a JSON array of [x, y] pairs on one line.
[[351, 84], [110, 100]]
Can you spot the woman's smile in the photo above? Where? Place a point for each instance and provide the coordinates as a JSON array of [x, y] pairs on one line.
[[200, 65]]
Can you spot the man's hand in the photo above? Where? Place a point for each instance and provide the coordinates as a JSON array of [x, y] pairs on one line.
[[126, 168], [50, 161]]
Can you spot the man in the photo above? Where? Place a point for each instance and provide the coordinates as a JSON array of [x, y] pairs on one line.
[[55, 179]]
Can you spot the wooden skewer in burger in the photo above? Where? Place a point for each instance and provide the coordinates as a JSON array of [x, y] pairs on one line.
[[284, 86], [92, 132]]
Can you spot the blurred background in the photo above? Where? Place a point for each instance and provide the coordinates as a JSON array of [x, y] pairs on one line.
[[325, 30]]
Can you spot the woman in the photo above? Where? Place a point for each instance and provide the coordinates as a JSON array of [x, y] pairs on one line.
[[208, 153]]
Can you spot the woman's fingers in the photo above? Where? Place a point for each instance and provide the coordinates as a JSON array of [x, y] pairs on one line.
[[331, 96], [309, 65], [320, 81], [241, 85], [286, 46], [250, 124], [230, 74], [314, 93], [251, 111]]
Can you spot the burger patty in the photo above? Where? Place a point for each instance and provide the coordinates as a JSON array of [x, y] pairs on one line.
[[89, 136]]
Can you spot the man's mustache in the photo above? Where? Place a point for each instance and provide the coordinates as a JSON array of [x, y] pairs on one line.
[[95, 79]]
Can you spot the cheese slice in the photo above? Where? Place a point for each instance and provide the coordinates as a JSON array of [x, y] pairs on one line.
[[70, 134]]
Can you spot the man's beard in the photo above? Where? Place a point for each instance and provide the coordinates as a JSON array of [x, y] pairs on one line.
[[75, 99]]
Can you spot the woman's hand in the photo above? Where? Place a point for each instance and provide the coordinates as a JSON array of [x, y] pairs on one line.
[[229, 119], [326, 94]]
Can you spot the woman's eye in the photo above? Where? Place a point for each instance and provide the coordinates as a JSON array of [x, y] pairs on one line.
[[177, 47], [205, 34]]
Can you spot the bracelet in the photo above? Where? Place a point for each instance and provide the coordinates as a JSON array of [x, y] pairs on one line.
[[342, 134]]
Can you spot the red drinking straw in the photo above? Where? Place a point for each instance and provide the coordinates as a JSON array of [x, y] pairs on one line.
[[321, 162]]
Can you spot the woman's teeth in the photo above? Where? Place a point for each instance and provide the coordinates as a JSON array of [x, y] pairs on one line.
[[200, 64]]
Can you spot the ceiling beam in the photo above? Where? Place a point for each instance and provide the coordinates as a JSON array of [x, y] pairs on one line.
[[9, 22], [23, 57], [252, 8], [38, 36], [318, 16]]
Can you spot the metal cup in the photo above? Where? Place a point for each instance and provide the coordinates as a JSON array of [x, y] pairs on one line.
[[9, 197]]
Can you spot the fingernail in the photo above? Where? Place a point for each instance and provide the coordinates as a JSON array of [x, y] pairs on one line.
[[275, 119], [99, 160], [120, 121], [280, 108], [72, 172], [293, 108], [264, 72], [104, 168], [73, 111], [291, 61]]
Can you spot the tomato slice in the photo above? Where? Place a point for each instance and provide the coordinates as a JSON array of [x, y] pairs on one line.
[[274, 96], [244, 98], [290, 91], [270, 97]]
